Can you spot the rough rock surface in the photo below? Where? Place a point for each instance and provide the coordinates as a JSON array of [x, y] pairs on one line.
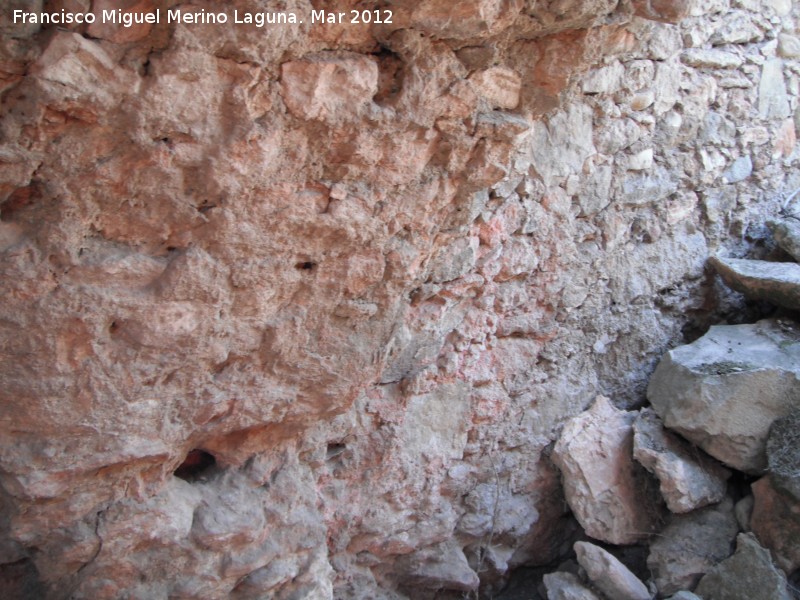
[[690, 545], [783, 453], [724, 391], [687, 478], [603, 485], [775, 521], [747, 575], [775, 282], [354, 277], [608, 574]]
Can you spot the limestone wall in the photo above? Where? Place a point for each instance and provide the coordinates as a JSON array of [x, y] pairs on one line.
[[369, 269]]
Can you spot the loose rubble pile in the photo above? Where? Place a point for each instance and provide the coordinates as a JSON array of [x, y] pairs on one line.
[[735, 395]]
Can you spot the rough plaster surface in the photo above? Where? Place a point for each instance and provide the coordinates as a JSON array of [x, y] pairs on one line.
[[370, 269]]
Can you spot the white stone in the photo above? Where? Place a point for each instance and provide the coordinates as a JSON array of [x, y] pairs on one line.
[[600, 478], [711, 59], [788, 46], [604, 80], [562, 143], [643, 100], [641, 161], [739, 170]]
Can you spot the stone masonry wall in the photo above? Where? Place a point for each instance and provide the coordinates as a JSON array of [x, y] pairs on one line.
[[369, 269]]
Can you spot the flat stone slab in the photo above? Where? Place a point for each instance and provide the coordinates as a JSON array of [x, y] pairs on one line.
[[723, 391], [774, 282]]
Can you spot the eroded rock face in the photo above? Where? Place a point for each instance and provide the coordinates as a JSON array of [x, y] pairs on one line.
[[371, 270]]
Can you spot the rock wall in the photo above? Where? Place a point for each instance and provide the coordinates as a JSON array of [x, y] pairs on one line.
[[297, 311]]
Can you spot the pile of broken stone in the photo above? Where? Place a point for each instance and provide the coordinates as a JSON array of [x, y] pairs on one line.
[[722, 439]]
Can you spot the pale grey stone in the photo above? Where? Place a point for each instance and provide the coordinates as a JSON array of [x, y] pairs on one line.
[[436, 423], [718, 130], [737, 27], [699, 8], [684, 595], [561, 144], [788, 46], [690, 545], [775, 282], [595, 194], [724, 391], [734, 80], [566, 586], [641, 161], [665, 42], [739, 170], [608, 574], [747, 575], [617, 134], [647, 188], [711, 59], [602, 483], [781, 7], [688, 479], [773, 100], [643, 100], [638, 74], [604, 80]]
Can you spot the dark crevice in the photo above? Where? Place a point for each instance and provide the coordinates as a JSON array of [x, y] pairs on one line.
[[197, 464]]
